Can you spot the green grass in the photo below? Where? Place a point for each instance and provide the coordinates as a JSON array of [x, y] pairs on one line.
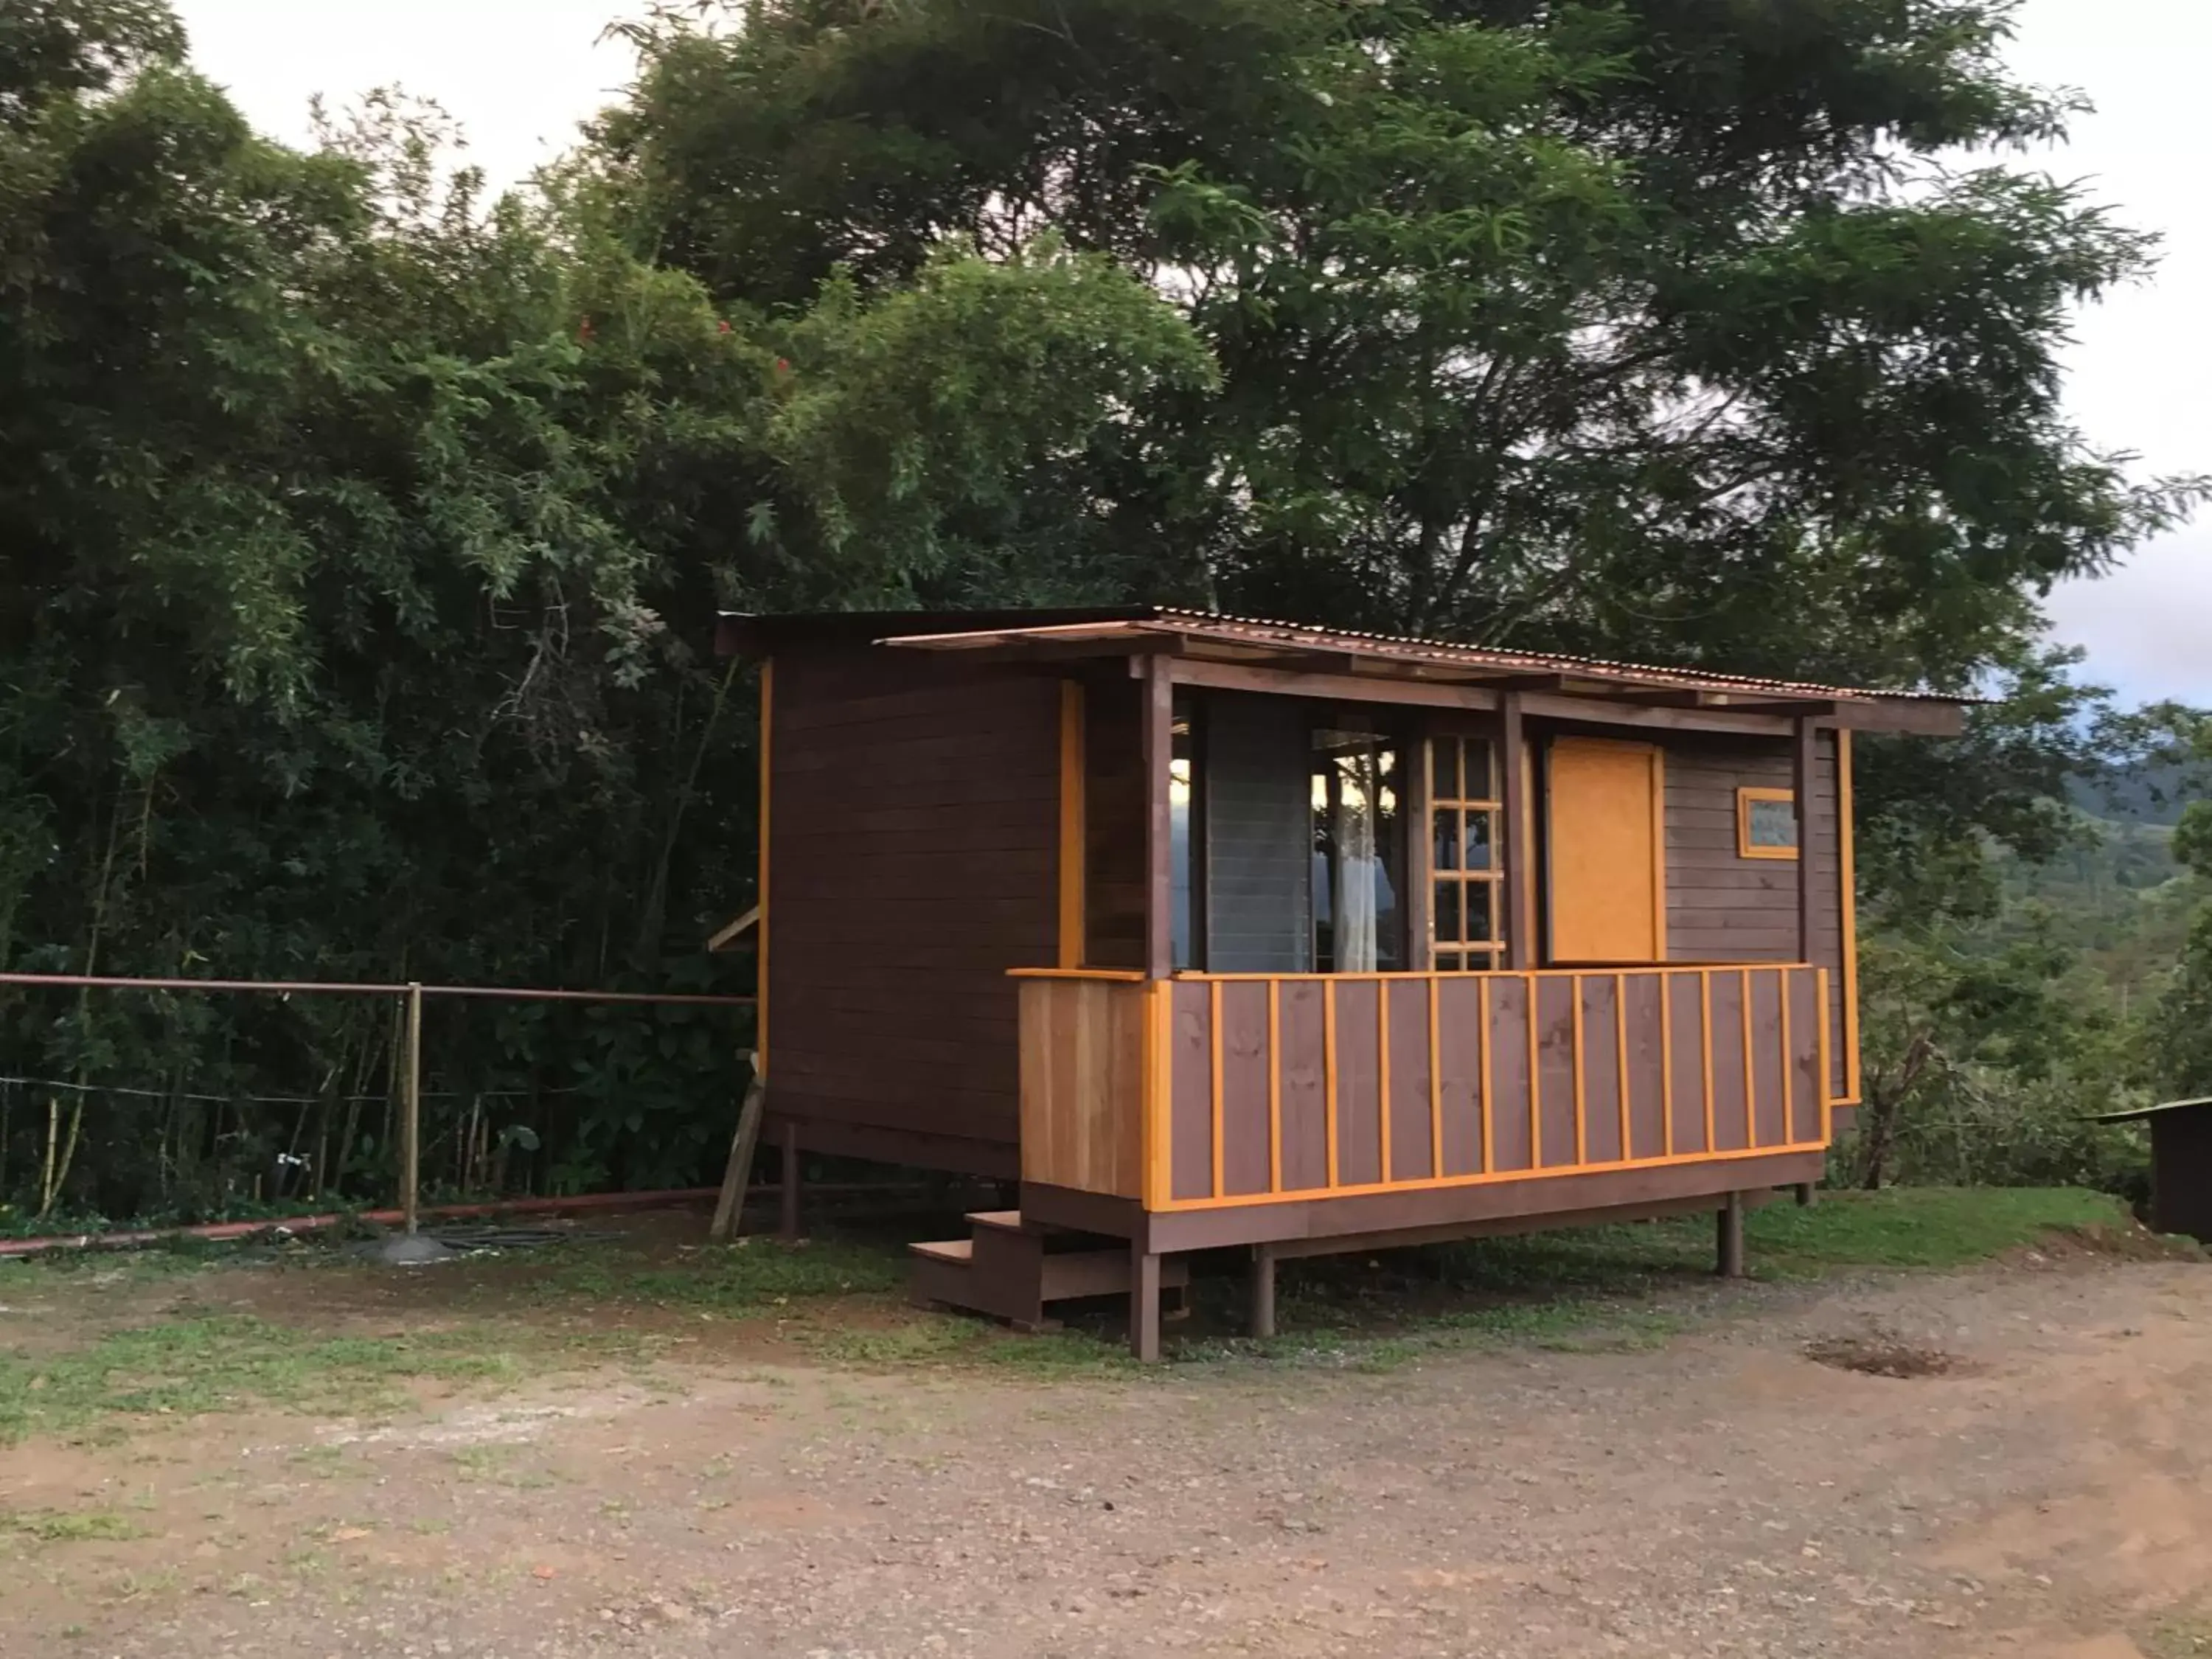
[[1920, 1226], [751, 1276], [69, 1526], [926, 1338], [1604, 1288], [1926, 1227], [1601, 1288], [2183, 1637], [1581, 1290], [190, 1367]]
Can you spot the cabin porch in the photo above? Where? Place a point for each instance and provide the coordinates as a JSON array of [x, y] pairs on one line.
[[1300, 1114]]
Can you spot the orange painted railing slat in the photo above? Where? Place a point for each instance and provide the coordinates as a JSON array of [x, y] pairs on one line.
[[1766, 1046]]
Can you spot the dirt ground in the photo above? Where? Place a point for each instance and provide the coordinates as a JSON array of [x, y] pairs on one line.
[[1722, 1493]]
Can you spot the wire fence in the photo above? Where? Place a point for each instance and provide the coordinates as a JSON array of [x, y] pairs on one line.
[[490, 1112]]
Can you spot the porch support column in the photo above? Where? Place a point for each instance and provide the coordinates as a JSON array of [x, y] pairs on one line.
[[1804, 770], [1159, 717], [1263, 1290], [1521, 860], [1730, 1264], [1144, 1303], [1421, 855]]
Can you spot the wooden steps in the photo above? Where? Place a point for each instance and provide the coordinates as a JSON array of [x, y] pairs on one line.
[[1011, 1269]]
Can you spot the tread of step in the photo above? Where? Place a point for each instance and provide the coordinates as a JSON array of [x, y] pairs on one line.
[[957, 1250], [1006, 1221]]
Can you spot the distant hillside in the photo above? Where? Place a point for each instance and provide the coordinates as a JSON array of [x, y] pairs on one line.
[[2119, 898], [2150, 792]]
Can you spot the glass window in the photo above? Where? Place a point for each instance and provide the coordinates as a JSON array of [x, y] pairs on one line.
[[1444, 756], [1447, 838], [1766, 824], [1182, 855], [1479, 828], [1481, 784], [1448, 915], [1359, 927], [1481, 903]]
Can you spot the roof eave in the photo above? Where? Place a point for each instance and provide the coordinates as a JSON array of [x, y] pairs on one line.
[[1080, 633], [1153, 636]]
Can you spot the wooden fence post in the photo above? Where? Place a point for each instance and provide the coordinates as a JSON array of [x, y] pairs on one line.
[[411, 1116]]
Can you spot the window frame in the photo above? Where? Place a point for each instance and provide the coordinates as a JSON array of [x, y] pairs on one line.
[[1464, 955], [1748, 795]]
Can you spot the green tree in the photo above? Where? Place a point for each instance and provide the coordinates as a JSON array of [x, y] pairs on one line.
[[1646, 328], [1651, 329], [364, 543], [2182, 1052], [1983, 1055]]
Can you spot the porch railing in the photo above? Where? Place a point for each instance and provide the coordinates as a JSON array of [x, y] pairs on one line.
[[1216, 1089]]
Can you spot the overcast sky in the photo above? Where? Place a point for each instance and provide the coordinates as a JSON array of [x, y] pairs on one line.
[[520, 74]]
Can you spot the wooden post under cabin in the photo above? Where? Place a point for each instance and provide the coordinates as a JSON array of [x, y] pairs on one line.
[[1731, 1237], [1263, 1290], [787, 1193], [1144, 1303]]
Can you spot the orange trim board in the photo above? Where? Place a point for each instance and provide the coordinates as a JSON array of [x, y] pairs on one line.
[[1137, 977], [1676, 969], [1552, 1172]]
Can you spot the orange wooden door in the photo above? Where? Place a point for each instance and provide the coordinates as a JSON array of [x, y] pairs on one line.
[[1605, 805]]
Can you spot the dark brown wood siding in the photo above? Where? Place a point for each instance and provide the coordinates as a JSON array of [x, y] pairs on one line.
[[1114, 808], [1722, 907], [1258, 834], [914, 841]]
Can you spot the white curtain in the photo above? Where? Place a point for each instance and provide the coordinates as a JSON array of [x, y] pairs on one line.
[[1358, 868]]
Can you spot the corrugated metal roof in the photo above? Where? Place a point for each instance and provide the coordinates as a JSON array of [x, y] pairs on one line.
[[948, 628], [1301, 635]]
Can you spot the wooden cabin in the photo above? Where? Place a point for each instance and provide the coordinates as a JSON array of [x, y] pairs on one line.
[[1215, 933]]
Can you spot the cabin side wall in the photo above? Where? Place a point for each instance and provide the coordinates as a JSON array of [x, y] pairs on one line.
[[913, 846], [1722, 907]]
